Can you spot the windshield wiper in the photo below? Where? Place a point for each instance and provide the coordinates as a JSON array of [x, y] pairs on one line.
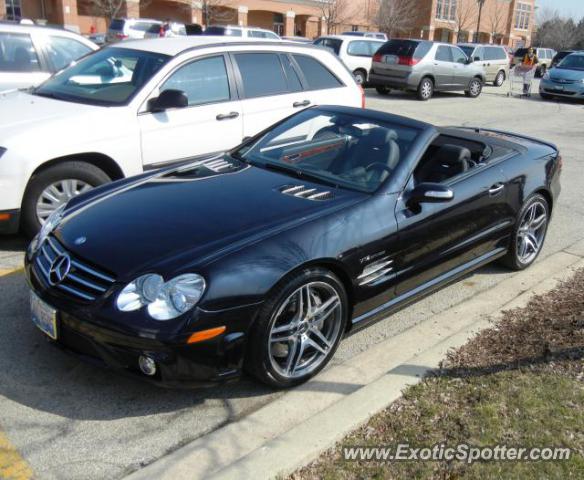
[[299, 174]]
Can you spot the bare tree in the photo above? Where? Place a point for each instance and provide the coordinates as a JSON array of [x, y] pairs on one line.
[[335, 13], [109, 9], [217, 11], [556, 32], [397, 16], [496, 22], [466, 14]]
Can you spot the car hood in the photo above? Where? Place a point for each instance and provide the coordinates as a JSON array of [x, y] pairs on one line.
[[176, 220], [22, 112], [565, 74]]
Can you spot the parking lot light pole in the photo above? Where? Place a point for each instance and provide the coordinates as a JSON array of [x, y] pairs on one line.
[[481, 3]]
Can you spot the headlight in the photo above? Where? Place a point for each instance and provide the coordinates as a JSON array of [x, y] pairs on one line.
[[546, 75], [164, 301]]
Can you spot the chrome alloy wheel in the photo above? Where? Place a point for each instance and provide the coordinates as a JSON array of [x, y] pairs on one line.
[[531, 232], [426, 89], [305, 330], [475, 88], [58, 193]]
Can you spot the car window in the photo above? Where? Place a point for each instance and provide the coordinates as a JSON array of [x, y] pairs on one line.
[[203, 81], [261, 73], [572, 62], [256, 34], [110, 76], [62, 51], [443, 54], [143, 26], [294, 84], [316, 74], [458, 56], [374, 46], [17, 53], [271, 35], [337, 148], [359, 48], [471, 52], [333, 44], [117, 24]]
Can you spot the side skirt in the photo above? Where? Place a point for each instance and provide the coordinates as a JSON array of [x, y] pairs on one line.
[[423, 290]]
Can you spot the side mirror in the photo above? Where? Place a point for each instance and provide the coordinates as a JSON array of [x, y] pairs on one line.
[[430, 193], [168, 99]]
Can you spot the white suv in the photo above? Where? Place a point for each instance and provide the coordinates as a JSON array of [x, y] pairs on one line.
[[149, 103], [244, 32], [355, 52]]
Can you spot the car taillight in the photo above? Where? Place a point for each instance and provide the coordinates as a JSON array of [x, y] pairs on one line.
[[362, 96], [409, 61], [121, 36], [378, 57]]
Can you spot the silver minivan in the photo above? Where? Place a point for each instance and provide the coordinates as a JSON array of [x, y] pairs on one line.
[[30, 54], [494, 59], [425, 67]]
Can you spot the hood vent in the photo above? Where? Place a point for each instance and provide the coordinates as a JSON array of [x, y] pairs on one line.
[[219, 165], [307, 193]]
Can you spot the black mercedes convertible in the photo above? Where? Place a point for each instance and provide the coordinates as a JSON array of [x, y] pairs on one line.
[[261, 259]]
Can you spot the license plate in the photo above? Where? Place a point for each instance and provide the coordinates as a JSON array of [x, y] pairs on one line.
[[43, 316], [390, 59]]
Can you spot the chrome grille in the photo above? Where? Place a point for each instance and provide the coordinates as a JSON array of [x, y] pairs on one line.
[[81, 281], [300, 191]]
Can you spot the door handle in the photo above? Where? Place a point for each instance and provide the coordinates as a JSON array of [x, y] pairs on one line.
[[496, 189], [227, 116], [305, 103]]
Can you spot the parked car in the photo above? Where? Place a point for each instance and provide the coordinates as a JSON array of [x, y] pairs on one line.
[[297, 39], [544, 55], [356, 53], [245, 32], [425, 67], [30, 54], [129, 28], [565, 80], [493, 58], [376, 35], [166, 100], [166, 30], [97, 38], [263, 258], [558, 57]]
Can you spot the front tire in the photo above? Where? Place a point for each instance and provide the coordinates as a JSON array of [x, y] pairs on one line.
[[475, 87], [56, 185], [425, 89], [529, 233], [298, 328]]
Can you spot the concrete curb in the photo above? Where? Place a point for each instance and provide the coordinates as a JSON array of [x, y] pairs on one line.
[[294, 429]]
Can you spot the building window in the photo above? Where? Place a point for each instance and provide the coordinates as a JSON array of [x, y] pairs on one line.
[[355, 28], [13, 10], [522, 15], [446, 10]]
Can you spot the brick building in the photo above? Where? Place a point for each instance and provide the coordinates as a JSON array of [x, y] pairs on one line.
[[305, 17], [506, 22]]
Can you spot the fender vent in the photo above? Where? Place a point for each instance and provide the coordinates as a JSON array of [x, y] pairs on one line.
[[219, 165], [307, 193], [376, 272]]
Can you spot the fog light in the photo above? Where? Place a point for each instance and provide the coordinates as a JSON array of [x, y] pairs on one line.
[[147, 365]]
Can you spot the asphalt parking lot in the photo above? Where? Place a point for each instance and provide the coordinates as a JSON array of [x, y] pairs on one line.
[[70, 420]]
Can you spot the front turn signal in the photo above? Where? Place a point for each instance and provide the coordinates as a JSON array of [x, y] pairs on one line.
[[203, 335]]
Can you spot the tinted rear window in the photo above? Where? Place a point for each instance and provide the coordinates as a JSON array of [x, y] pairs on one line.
[[406, 48], [316, 74], [230, 32], [262, 74], [117, 24], [333, 44]]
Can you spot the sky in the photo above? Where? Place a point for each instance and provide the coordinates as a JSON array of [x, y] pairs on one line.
[[571, 8]]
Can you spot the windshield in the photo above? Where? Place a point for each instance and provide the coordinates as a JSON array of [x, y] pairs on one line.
[[467, 50], [111, 76], [572, 62], [334, 148]]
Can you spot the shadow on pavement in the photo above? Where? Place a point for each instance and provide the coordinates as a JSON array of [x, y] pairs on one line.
[[13, 243]]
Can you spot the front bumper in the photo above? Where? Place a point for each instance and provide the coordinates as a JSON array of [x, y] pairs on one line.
[[82, 332], [9, 221], [569, 90]]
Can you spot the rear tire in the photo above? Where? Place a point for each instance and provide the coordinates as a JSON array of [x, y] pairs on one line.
[[425, 89], [284, 332], [81, 172], [360, 77], [527, 241], [499, 79], [546, 96], [475, 87], [382, 90]]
